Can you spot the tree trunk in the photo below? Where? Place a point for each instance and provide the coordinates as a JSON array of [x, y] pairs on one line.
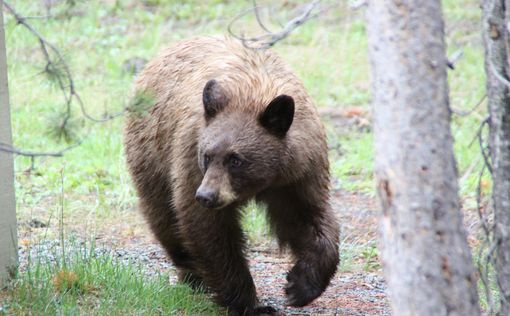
[[426, 258], [496, 16], [8, 235]]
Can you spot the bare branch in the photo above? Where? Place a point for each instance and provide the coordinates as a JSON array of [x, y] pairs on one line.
[[486, 156], [51, 66], [58, 69], [470, 111], [33, 154], [65, 80], [270, 38], [257, 15]]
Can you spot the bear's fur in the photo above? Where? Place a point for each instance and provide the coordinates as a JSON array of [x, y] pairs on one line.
[[230, 124]]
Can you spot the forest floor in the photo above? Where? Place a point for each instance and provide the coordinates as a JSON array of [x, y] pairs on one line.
[[358, 287], [353, 291]]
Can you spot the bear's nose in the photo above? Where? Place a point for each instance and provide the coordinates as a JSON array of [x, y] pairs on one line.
[[206, 197]]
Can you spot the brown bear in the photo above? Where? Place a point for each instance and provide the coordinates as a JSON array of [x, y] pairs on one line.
[[228, 124]]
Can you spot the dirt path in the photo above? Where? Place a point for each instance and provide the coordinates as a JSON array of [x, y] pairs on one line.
[[352, 292], [348, 294]]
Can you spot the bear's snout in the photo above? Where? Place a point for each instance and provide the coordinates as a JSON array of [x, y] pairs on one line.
[[207, 197]]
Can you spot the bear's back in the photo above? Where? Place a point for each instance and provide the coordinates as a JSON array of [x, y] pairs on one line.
[[176, 79], [253, 77]]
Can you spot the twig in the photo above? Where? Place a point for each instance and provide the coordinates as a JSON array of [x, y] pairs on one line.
[[270, 38], [57, 67], [33, 154], [486, 157], [51, 67], [69, 90], [257, 15], [21, 152], [483, 261], [470, 111]]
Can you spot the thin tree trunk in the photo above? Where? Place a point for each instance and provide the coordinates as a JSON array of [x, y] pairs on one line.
[[426, 258], [8, 235], [496, 18]]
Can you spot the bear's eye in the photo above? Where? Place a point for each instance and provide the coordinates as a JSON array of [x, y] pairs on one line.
[[235, 162], [207, 160]]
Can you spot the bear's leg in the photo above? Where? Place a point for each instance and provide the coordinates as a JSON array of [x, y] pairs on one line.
[[301, 217], [216, 242], [164, 225], [155, 196]]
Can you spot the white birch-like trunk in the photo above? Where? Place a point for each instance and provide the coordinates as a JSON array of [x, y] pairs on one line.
[[426, 258], [8, 235]]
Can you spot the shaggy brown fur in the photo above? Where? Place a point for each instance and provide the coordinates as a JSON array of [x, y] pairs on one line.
[[227, 125]]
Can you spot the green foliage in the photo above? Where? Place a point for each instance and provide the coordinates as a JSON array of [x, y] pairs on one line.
[[62, 128], [353, 167], [141, 103], [371, 257], [55, 71]]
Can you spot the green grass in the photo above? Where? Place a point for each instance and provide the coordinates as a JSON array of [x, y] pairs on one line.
[[97, 37], [85, 283], [254, 223], [354, 165]]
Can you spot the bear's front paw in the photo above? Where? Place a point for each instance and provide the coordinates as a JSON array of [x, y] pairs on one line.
[[265, 311], [302, 286], [255, 311]]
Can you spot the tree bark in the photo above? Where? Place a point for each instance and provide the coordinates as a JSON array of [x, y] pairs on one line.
[[426, 258], [8, 234], [496, 18]]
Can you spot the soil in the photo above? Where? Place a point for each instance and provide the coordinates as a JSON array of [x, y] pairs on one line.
[[354, 292]]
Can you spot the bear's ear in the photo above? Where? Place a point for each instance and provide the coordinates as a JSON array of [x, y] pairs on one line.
[[214, 98], [278, 115]]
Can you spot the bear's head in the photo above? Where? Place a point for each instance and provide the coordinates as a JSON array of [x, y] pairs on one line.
[[240, 153]]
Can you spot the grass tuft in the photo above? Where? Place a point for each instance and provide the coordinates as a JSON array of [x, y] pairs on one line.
[[66, 280], [97, 283]]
